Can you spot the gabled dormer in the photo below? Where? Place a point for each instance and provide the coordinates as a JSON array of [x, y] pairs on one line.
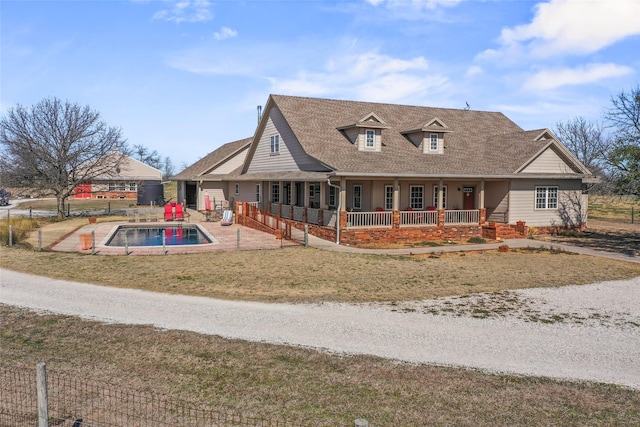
[[429, 136], [365, 132]]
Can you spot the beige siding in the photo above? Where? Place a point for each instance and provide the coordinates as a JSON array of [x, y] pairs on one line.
[[231, 164], [291, 156], [217, 191], [426, 143], [522, 201], [548, 162]]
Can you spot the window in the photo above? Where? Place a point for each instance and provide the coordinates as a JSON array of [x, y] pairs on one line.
[[433, 142], [444, 196], [357, 196], [237, 189], [121, 186], [258, 192], [275, 144], [388, 197], [275, 193], [546, 197], [370, 138], [112, 186], [416, 197], [312, 190], [332, 196], [132, 186]]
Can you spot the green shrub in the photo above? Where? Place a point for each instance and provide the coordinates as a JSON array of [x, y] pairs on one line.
[[20, 229]]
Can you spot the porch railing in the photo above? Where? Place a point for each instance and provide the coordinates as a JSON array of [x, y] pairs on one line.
[[312, 215], [418, 219], [298, 213], [462, 217], [369, 219]]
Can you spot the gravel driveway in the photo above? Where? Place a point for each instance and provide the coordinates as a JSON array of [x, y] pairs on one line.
[[589, 332]]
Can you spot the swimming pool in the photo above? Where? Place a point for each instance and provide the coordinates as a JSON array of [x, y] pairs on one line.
[[151, 235]]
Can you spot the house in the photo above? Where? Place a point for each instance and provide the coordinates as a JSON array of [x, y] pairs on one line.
[[372, 172], [122, 183]]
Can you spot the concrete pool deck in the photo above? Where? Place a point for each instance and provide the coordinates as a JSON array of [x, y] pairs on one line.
[[229, 238]]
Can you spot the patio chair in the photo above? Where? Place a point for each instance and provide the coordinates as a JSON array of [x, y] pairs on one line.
[[168, 212], [179, 212], [227, 218]]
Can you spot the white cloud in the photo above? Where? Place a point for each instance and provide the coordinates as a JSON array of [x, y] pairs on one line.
[[571, 27], [367, 76], [186, 11], [555, 78], [225, 33]]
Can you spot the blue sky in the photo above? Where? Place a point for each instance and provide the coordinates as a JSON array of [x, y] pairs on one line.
[[184, 77]]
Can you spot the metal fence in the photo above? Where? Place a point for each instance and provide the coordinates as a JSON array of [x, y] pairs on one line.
[[36, 397]]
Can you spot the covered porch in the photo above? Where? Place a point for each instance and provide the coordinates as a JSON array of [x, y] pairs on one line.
[[358, 210]]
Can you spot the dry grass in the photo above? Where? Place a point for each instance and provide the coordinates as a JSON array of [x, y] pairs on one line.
[[272, 381], [294, 383], [614, 208], [311, 275]]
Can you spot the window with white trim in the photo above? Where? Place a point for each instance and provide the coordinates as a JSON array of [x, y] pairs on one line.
[[237, 189], [433, 142], [416, 197], [275, 144], [444, 196], [121, 186], [546, 197], [370, 139], [133, 186], [112, 186], [258, 192], [332, 196], [312, 190], [388, 197], [275, 193], [357, 196]]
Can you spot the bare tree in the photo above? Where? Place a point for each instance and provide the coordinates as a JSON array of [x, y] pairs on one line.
[[586, 140], [167, 168], [56, 146], [146, 156]]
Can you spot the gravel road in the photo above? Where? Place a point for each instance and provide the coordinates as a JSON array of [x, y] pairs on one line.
[[589, 332]]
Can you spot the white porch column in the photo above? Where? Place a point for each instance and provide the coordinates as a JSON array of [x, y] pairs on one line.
[[482, 194], [323, 195], [293, 193], [306, 194], [343, 194], [396, 194], [440, 194], [281, 191]]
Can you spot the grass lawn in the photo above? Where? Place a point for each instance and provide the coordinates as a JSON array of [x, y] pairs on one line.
[[296, 383]]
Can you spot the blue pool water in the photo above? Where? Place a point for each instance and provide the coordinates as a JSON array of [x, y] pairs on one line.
[[152, 235]]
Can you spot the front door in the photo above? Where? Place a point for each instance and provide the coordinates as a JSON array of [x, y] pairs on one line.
[[469, 201]]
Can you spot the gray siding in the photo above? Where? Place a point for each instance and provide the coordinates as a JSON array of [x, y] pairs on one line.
[[522, 201]]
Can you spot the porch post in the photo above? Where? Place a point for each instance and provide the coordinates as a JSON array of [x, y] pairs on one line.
[[306, 194], [482, 194], [323, 190], [396, 194], [293, 193], [441, 203], [343, 195]]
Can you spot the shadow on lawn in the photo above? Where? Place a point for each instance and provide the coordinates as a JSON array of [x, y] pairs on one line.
[[626, 242]]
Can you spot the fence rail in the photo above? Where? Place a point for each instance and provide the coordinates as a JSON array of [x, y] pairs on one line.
[[462, 217], [369, 219], [417, 219], [70, 401]]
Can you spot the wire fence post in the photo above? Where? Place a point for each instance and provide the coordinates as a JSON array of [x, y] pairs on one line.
[[10, 235], [40, 240], [632, 214], [306, 235], [164, 241], [43, 404], [238, 240], [93, 242], [126, 243]]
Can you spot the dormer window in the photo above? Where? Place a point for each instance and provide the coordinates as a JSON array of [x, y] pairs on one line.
[[370, 139], [433, 142]]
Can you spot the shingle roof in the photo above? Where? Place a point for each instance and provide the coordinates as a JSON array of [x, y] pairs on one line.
[[477, 142], [211, 160]]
